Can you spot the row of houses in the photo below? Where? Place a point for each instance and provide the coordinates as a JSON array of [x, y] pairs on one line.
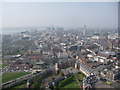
[[28, 64], [105, 57], [82, 67], [92, 60], [20, 68], [113, 74]]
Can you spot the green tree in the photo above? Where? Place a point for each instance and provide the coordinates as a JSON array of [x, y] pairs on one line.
[[37, 82]]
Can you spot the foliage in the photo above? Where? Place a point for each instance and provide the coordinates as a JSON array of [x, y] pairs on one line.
[[53, 78], [20, 86], [55, 87], [62, 74], [109, 68], [70, 81], [119, 64], [37, 82], [65, 82]]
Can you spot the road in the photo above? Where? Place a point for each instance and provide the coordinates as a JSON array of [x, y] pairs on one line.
[[6, 68]]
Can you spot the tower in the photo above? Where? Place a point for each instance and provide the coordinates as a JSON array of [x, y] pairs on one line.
[[56, 68], [84, 30]]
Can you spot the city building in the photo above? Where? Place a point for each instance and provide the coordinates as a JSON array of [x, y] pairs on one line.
[[113, 74], [83, 68], [20, 67]]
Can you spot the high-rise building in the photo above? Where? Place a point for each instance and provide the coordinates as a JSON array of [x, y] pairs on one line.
[[84, 30]]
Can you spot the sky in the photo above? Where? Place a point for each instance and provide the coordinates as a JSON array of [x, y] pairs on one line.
[[63, 14]]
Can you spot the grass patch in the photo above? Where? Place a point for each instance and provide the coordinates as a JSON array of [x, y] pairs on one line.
[[71, 82], [0, 66], [12, 75], [20, 86]]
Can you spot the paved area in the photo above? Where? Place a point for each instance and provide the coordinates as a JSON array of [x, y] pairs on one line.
[[70, 70], [101, 84]]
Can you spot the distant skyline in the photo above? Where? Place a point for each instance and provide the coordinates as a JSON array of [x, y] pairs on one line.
[[63, 14]]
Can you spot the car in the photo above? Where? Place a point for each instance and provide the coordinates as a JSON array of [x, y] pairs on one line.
[[108, 82]]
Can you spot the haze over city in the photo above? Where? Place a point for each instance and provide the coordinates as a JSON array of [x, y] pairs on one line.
[[65, 14], [56, 45]]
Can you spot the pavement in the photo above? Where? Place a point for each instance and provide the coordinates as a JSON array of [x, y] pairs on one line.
[[101, 84], [115, 84]]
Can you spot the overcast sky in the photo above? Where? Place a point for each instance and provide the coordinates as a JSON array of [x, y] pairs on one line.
[[66, 14]]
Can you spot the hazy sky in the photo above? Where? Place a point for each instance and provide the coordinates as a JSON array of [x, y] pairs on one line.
[[66, 14]]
